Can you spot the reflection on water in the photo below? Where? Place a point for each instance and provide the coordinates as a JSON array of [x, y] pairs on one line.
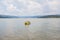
[[40, 29]]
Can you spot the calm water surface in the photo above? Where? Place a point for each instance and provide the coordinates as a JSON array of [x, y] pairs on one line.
[[40, 29]]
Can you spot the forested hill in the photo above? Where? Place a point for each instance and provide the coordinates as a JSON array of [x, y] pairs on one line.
[[7, 16], [50, 16]]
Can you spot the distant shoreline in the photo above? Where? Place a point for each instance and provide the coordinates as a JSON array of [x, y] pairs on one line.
[[46, 16]]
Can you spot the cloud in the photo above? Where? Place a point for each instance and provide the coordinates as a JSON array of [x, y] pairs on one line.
[[11, 7], [29, 7], [53, 5]]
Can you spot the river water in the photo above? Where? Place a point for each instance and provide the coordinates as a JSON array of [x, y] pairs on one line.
[[39, 29]]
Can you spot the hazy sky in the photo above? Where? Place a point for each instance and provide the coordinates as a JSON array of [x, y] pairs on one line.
[[29, 7]]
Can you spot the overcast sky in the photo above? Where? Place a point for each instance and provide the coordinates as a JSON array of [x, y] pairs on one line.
[[29, 7]]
